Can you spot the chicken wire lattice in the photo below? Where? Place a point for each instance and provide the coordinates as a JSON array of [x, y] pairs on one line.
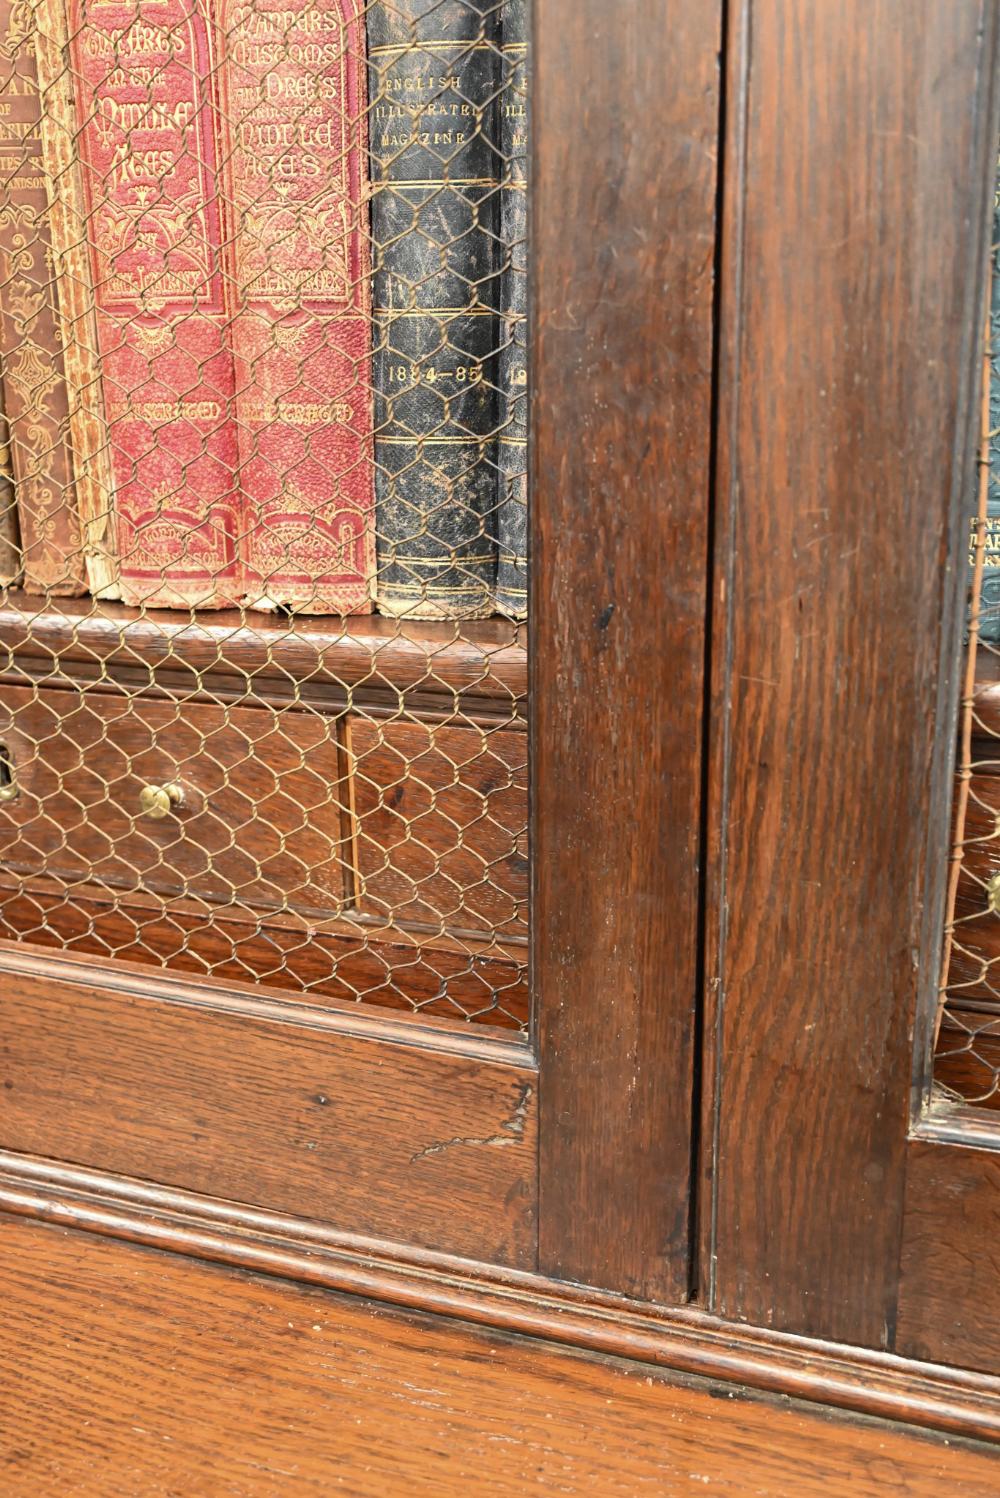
[[262, 671]]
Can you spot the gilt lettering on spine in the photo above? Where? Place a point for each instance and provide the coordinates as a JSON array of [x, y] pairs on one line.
[[146, 79], [294, 99]]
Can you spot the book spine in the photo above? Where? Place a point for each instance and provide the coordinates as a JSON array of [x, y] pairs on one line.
[[435, 217], [35, 394], [149, 148], [989, 603], [92, 474], [10, 541], [294, 96], [512, 512]]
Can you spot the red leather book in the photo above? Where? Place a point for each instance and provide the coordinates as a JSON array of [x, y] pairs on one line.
[[225, 170], [149, 146], [294, 99]]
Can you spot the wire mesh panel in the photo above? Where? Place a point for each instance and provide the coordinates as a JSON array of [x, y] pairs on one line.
[[967, 1065], [263, 509]]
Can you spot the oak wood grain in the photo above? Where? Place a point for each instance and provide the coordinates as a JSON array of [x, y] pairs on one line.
[[623, 240], [367, 1136], [133, 1371], [951, 1256], [860, 146], [359, 1021]]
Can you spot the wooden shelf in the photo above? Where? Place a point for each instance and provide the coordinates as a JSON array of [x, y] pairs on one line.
[[476, 659]]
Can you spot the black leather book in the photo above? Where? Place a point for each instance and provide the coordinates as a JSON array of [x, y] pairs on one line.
[[512, 513], [435, 173]]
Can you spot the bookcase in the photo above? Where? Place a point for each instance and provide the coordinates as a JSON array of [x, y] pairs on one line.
[[576, 974]]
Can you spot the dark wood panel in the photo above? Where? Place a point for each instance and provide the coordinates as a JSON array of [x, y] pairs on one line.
[[396, 1141], [440, 825], [132, 1370], [260, 823], [951, 1256], [347, 966], [859, 156], [624, 232], [476, 659]]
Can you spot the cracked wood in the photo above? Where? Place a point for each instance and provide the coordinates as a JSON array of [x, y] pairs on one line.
[[512, 1130]]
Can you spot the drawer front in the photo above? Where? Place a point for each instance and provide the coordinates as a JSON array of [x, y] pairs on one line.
[[260, 822], [974, 971], [440, 825]]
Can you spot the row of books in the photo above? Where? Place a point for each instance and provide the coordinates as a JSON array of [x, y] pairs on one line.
[[263, 302]]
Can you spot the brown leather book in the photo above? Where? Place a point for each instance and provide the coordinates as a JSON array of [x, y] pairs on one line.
[[36, 399], [76, 305]]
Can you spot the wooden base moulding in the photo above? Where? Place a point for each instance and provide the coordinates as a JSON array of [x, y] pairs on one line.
[[684, 1340], [131, 1366]]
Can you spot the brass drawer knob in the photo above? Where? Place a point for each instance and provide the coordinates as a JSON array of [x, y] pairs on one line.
[[158, 801]]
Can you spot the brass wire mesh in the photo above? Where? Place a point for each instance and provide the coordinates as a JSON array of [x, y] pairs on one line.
[[967, 1061], [262, 674]]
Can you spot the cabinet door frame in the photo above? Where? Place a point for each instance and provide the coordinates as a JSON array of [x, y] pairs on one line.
[[569, 1152], [858, 173], [624, 244]]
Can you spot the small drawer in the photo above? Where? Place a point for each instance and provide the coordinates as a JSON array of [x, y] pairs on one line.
[[259, 821], [974, 970], [440, 825]]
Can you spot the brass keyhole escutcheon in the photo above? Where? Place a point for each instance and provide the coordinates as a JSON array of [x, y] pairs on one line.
[[158, 801]]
